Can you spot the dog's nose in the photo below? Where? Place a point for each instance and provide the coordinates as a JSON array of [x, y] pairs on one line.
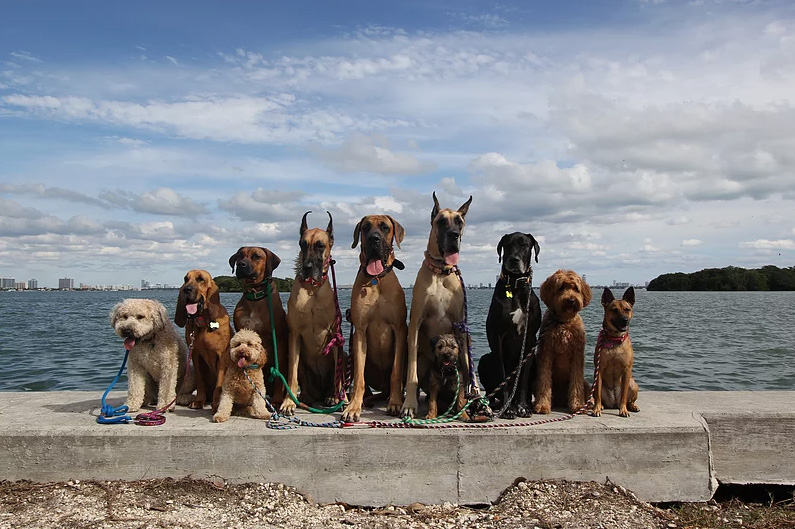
[[242, 265], [623, 321], [187, 289]]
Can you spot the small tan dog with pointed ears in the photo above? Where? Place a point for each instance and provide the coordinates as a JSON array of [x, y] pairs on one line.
[[241, 392], [615, 386]]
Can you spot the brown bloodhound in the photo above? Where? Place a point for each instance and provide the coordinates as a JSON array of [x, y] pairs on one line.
[[207, 329]]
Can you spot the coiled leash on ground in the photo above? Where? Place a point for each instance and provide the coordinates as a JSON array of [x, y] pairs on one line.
[[108, 414]]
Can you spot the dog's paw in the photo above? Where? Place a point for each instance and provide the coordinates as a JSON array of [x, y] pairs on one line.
[[623, 413], [352, 414], [508, 413], [196, 404], [394, 405], [287, 408], [633, 407], [330, 401], [596, 412], [409, 409], [523, 410], [220, 418], [542, 409]]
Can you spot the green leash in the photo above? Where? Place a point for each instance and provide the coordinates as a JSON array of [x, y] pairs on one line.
[[275, 373]]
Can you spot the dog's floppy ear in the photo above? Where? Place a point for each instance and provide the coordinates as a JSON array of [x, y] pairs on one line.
[[213, 299], [548, 287], [465, 207], [436, 208], [397, 230], [629, 296], [356, 231], [303, 224], [114, 314], [434, 341], [271, 262], [607, 297], [330, 228], [536, 247], [586, 293], [181, 314], [233, 259], [159, 315], [499, 248]]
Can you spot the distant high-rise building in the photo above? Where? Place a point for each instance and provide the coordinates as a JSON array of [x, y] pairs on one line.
[[144, 284], [7, 282], [33, 284], [584, 280], [66, 283]]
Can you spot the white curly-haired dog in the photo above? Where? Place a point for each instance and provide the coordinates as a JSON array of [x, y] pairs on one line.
[[240, 391], [158, 355]]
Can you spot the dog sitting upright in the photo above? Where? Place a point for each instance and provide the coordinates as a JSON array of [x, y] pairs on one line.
[[507, 324], [445, 378], [248, 357], [615, 386], [312, 318], [560, 356]]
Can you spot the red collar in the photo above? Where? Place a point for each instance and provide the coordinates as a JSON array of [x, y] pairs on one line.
[[443, 269], [606, 341]]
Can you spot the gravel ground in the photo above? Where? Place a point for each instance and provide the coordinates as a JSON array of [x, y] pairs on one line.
[[190, 503]]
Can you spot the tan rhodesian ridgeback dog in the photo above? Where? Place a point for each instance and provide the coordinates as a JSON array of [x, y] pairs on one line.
[[438, 299], [255, 266], [312, 319], [199, 310], [378, 315]]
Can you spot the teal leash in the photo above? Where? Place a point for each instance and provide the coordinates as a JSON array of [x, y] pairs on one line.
[[108, 414]]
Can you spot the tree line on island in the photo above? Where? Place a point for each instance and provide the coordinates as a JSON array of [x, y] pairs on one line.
[[730, 278]]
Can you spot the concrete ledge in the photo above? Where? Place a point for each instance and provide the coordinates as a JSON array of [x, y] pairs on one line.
[[676, 449]]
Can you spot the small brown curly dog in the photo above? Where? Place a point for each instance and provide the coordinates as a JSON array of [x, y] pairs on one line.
[[560, 376], [248, 357]]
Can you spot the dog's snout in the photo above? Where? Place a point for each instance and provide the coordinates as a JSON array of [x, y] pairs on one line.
[[187, 289]]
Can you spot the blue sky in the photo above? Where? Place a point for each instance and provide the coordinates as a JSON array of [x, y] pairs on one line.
[[141, 140]]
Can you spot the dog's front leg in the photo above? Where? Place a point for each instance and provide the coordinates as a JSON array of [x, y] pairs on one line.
[[201, 369], [410, 402], [597, 396], [626, 376], [433, 395], [288, 406], [577, 383], [396, 381], [258, 409], [220, 368], [224, 407], [353, 411], [543, 383], [136, 386], [167, 389]]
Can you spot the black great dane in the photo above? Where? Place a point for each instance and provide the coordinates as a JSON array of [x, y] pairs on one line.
[[514, 306]]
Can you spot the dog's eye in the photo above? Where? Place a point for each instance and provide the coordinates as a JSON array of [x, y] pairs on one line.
[[320, 246], [200, 279], [366, 226], [255, 257], [384, 226], [140, 316]]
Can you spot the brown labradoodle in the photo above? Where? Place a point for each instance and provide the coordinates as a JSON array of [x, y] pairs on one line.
[[560, 376], [248, 357]]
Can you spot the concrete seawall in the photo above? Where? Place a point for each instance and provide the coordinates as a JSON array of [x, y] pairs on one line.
[[677, 448]]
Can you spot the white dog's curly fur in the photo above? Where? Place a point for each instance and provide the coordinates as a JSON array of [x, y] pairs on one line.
[[158, 355]]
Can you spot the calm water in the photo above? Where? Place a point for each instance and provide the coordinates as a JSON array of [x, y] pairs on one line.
[[682, 340]]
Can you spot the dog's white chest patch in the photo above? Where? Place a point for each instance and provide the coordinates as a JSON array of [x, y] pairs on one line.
[[518, 319]]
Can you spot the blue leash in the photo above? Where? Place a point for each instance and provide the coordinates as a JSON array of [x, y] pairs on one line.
[[108, 414]]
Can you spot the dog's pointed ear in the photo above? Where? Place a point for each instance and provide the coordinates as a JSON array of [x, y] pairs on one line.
[[607, 297], [465, 207], [499, 248], [356, 231], [271, 262], [398, 233], [436, 208], [303, 224], [536, 247], [330, 228], [181, 313], [233, 259], [629, 296]]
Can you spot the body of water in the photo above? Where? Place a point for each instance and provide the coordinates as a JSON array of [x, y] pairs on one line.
[[682, 340]]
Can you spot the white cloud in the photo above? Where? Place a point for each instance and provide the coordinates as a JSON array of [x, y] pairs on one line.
[[692, 242], [371, 154], [764, 244]]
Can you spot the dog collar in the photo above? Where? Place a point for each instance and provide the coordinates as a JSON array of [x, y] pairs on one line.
[[440, 270], [257, 291], [508, 276], [200, 321], [252, 366], [606, 341]]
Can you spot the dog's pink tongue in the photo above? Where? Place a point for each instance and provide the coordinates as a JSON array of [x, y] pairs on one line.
[[241, 362], [451, 258], [375, 267], [192, 308], [129, 343]]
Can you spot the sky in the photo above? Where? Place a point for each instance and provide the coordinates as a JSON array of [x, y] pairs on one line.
[[139, 140]]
